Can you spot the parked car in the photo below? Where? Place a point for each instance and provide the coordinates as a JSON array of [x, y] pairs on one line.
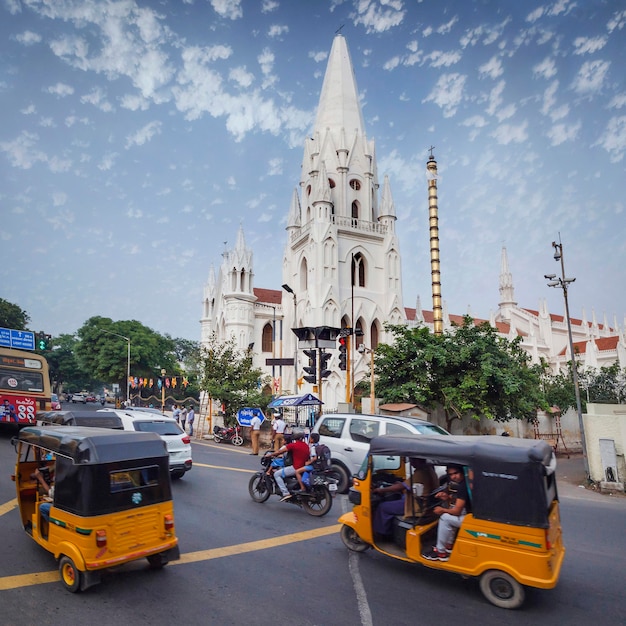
[[348, 436], [90, 398], [55, 405], [76, 417], [177, 441], [79, 397]]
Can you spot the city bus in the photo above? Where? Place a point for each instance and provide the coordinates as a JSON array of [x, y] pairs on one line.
[[24, 387]]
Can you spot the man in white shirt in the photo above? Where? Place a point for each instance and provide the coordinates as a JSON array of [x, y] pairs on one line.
[[279, 432], [255, 433]]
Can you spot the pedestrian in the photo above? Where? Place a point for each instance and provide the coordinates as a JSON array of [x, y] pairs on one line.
[[255, 433], [191, 416], [176, 413], [279, 431], [183, 417]]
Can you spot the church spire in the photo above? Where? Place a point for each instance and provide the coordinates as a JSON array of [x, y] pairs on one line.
[[507, 296], [339, 105]]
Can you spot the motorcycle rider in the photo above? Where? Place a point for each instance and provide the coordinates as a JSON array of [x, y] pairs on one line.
[[299, 453]]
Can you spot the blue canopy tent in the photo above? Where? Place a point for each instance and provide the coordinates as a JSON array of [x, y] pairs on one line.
[[295, 402]]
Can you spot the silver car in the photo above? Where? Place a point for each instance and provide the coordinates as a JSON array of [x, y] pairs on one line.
[[348, 436]]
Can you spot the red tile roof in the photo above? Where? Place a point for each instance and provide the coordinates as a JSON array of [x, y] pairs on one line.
[[269, 296]]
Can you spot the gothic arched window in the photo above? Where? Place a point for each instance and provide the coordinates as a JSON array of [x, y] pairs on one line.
[[304, 275], [358, 270], [266, 338], [374, 335], [355, 184]]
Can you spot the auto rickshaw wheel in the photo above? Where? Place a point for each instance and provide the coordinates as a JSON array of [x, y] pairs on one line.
[[70, 574], [352, 541], [501, 589], [158, 561]]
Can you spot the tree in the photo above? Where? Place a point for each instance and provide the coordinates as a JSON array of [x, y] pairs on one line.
[[606, 385], [227, 375], [65, 369], [105, 355], [11, 316], [469, 370]]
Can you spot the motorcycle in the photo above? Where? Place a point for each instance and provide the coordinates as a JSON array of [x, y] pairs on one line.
[[316, 501], [230, 434]]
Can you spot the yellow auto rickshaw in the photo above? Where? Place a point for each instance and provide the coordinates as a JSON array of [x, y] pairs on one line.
[[510, 537], [95, 498]]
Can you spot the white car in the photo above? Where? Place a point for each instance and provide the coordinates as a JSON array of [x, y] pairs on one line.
[[348, 437], [79, 397], [177, 441]]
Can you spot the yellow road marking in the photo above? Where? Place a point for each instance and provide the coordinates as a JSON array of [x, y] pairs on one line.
[[39, 578], [230, 469], [8, 506]]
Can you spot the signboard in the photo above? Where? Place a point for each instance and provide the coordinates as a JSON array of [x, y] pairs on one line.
[[19, 409], [307, 399], [17, 339], [244, 416]]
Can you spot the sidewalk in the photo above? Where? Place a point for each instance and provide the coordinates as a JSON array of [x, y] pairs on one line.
[[570, 475]]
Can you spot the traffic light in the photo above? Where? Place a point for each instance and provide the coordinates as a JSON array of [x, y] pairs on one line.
[[324, 357], [343, 352], [42, 341], [311, 370]]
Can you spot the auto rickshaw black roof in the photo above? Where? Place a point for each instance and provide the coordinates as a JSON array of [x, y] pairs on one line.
[[86, 445], [87, 460], [463, 449], [510, 480]]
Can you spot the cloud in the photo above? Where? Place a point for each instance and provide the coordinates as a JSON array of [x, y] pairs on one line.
[[230, 9], [108, 161], [545, 69], [444, 29], [28, 38], [613, 140], [491, 69], [589, 45], [617, 21], [276, 30], [268, 6], [318, 57], [31, 109], [241, 76], [97, 97], [22, 152], [508, 133], [448, 93], [443, 59], [590, 77], [560, 133], [59, 198], [143, 134], [275, 167], [376, 18], [60, 89]]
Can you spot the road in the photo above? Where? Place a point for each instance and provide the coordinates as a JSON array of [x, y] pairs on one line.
[[248, 563]]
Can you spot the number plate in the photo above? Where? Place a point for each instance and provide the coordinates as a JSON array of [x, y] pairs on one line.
[[332, 487]]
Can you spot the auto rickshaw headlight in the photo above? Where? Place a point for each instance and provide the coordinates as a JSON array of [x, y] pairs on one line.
[[101, 538], [169, 521]]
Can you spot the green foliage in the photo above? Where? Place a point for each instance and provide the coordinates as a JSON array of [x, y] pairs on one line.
[[11, 316], [470, 370], [65, 370], [105, 354], [606, 385], [227, 375]]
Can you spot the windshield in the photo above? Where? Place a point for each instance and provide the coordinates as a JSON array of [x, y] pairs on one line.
[[424, 428], [161, 428]]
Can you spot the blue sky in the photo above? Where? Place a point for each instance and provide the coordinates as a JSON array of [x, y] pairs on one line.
[[137, 136]]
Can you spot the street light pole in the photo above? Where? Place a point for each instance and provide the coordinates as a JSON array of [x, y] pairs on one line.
[[127, 361], [288, 289], [563, 283]]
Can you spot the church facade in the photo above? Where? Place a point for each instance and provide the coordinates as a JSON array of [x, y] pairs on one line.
[[342, 267]]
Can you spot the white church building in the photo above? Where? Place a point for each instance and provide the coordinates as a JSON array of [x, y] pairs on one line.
[[342, 267]]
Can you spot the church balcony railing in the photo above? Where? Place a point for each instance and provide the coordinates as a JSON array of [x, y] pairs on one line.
[[346, 223]]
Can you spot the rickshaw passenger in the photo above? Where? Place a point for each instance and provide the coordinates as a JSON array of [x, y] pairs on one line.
[[456, 497], [48, 489], [423, 474]]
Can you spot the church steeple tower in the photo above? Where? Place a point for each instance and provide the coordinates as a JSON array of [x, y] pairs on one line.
[[342, 259]]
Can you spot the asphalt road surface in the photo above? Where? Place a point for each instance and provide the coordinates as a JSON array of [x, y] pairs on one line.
[[259, 564]]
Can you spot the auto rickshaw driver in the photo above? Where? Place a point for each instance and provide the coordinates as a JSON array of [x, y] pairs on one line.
[[456, 505]]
